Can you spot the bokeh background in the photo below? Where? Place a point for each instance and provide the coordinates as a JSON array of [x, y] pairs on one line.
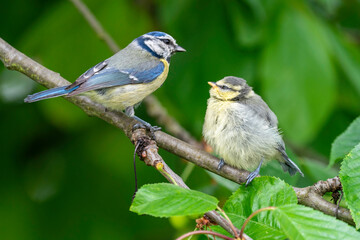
[[65, 175]]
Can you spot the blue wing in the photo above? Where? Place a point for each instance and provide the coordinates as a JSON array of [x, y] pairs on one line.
[[102, 76]]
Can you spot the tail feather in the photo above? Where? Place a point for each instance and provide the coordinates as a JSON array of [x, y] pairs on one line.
[[291, 167], [288, 165], [50, 93]]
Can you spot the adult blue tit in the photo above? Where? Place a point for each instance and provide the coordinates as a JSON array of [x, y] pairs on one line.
[[242, 129], [126, 78]]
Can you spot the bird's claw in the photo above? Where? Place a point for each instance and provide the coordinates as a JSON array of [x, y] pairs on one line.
[[148, 127], [253, 174], [221, 164], [251, 177], [138, 126]]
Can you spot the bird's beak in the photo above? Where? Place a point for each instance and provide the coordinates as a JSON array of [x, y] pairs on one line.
[[213, 85], [179, 49]]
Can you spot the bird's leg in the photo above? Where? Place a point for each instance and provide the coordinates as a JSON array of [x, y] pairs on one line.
[[129, 111], [147, 125], [221, 164], [253, 174]]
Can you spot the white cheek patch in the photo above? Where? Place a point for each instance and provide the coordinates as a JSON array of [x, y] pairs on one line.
[[250, 94], [158, 48], [237, 88], [153, 46]]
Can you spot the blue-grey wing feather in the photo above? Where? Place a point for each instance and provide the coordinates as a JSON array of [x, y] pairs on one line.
[[147, 75], [88, 74], [102, 76]]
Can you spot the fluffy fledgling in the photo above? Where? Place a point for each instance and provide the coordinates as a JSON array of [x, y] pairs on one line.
[[242, 129], [126, 78]]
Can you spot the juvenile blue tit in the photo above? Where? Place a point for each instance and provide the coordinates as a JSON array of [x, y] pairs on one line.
[[126, 78], [242, 129]]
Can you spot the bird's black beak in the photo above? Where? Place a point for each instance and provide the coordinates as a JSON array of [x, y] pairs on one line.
[[179, 49]]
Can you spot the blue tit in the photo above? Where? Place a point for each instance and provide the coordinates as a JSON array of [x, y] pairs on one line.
[[242, 129], [125, 79]]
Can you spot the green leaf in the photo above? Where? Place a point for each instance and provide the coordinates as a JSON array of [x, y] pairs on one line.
[[297, 70], [345, 142], [256, 230], [263, 192], [350, 180], [299, 222], [166, 200]]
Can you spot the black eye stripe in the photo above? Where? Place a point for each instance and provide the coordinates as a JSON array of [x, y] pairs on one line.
[[166, 41], [224, 87]]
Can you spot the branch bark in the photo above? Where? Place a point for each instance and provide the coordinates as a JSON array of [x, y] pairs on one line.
[[312, 197], [15, 60]]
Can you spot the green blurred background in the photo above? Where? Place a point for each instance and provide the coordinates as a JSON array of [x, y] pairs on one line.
[[65, 175]]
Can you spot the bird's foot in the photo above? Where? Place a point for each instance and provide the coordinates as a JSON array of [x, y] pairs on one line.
[[251, 177], [221, 164], [148, 127], [253, 174]]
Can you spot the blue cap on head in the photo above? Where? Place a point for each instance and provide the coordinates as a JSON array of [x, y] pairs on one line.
[[156, 34]]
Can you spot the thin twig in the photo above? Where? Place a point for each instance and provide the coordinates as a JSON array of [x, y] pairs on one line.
[[15, 60], [134, 160], [230, 222], [204, 232], [251, 216], [95, 24], [338, 203]]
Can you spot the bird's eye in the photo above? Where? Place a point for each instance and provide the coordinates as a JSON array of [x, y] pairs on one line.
[[166, 41], [223, 87]]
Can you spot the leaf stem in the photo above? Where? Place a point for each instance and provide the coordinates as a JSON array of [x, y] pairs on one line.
[[251, 216], [236, 235], [160, 167], [204, 232]]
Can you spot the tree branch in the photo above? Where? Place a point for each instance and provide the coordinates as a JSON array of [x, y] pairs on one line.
[[312, 197], [15, 60], [95, 24]]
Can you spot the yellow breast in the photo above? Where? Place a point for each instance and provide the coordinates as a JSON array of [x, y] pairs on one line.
[[161, 78]]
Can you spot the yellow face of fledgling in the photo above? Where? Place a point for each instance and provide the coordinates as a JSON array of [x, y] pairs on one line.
[[230, 89]]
